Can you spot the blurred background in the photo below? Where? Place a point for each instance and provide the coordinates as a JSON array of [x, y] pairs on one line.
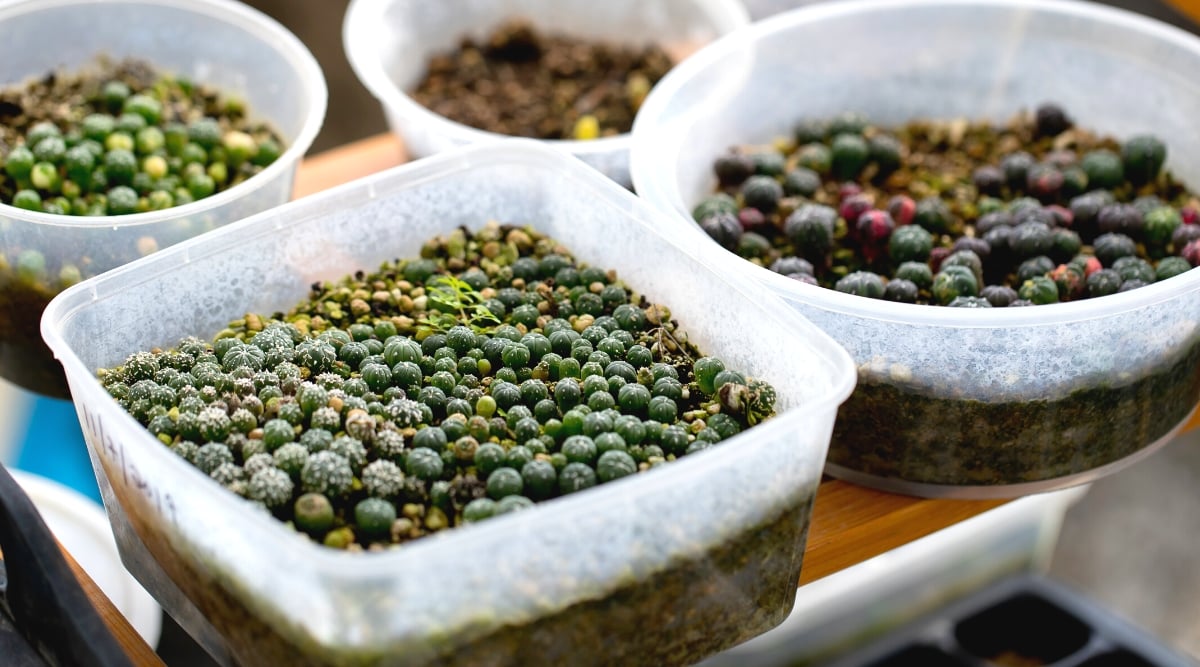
[[353, 113], [1129, 542]]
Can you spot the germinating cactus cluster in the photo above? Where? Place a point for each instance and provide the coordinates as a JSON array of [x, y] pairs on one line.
[[109, 139], [492, 372], [957, 213], [124, 138]]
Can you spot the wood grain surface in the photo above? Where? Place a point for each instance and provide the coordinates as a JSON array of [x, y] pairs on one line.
[[135, 647], [1189, 8]]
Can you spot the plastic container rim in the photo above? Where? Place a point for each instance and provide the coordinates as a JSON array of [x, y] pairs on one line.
[[508, 151], [362, 18], [651, 174], [274, 35]]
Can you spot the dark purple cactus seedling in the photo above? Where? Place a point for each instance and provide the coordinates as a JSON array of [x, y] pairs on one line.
[[854, 206], [1185, 234], [751, 219], [902, 208], [874, 228], [976, 245], [1191, 252], [1120, 219], [1062, 216], [724, 228], [988, 180], [936, 256], [1051, 120], [733, 169], [1044, 181]]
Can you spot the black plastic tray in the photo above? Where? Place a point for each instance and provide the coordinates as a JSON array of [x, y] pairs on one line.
[[1025, 619]]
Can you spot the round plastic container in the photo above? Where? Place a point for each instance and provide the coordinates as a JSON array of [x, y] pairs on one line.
[[389, 43], [220, 43], [950, 402]]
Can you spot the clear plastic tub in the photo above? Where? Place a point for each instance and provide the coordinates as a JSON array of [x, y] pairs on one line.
[[950, 402], [706, 551], [224, 44], [390, 42]]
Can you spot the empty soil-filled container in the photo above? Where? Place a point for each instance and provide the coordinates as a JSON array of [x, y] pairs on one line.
[[226, 46], [977, 402], [706, 549], [390, 45]]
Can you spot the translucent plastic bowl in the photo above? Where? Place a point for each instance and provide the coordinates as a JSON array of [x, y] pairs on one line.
[[954, 402], [667, 566], [389, 44], [216, 42]]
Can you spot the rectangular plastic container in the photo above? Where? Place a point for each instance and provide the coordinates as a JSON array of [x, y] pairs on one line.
[[668, 566], [953, 402], [226, 45]]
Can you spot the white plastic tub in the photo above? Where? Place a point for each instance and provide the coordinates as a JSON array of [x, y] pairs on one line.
[[224, 44], [706, 550], [950, 402], [390, 42]]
